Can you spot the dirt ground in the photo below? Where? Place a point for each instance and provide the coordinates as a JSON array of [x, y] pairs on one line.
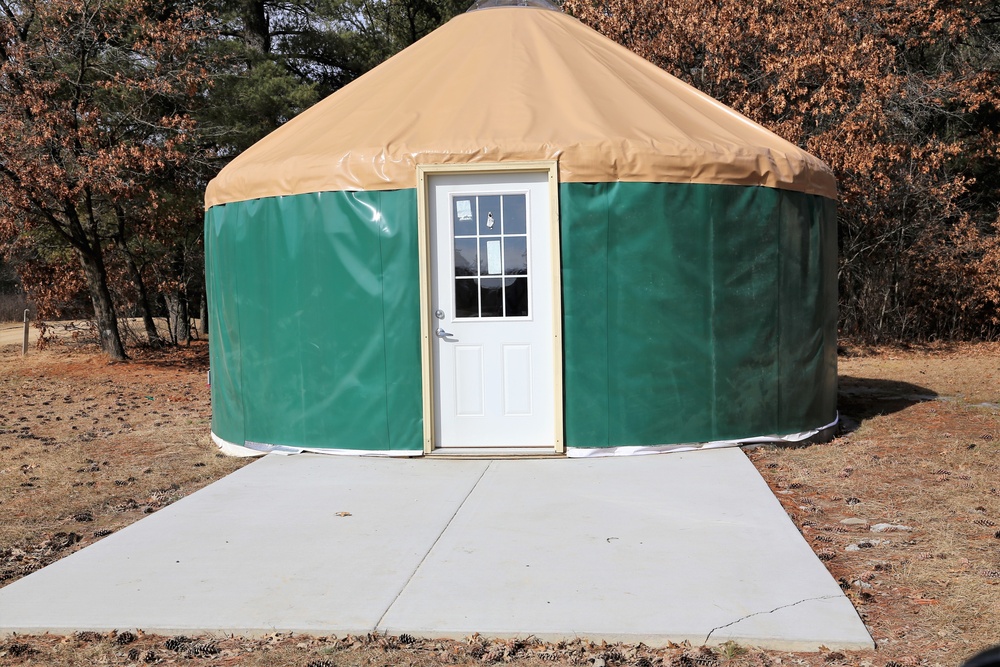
[[87, 447], [13, 334]]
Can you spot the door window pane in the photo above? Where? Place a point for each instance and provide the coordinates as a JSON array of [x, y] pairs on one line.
[[515, 255], [491, 295], [466, 297], [489, 215], [516, 297], [490, 257], [464, 214], [515, 219], [465, 257]]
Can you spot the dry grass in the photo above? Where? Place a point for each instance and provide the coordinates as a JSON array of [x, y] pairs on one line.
[[87, 447], [925, 455], [361, 651]]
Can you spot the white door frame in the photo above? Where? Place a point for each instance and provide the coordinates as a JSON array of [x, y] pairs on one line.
[[427, 323]]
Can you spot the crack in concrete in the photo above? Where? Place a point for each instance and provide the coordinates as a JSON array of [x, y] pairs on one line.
[[770, 611]]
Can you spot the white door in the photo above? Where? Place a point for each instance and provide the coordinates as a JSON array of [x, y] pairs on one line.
[[494, 315]]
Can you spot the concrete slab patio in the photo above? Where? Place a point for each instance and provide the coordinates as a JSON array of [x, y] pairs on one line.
[[689, 546]]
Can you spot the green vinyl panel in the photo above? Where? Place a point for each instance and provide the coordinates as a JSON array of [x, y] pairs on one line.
[[222, 237], [745, 313], [401, 318], [808, 359], [707, 330], [323, 348], [584, 249], [658, 315]]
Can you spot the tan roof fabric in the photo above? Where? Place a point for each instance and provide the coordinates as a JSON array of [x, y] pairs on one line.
[[517, 83]]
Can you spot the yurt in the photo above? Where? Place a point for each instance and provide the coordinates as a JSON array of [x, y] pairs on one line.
[[517, 237]]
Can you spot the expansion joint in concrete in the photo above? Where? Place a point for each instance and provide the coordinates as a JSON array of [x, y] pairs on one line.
[[431, 549]]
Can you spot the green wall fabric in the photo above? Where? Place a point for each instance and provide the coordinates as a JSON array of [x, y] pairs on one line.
[[691, 313], [315, 339], [695, 313]]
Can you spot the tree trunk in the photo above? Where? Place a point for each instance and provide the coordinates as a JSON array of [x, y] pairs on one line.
[[152, 335], [256, 28], [104, 308], [176, 298], [177, 314]]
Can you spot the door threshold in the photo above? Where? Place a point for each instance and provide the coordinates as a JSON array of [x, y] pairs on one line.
[[495, 453]]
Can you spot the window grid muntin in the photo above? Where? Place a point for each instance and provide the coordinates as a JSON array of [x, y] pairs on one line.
[[460, 229]]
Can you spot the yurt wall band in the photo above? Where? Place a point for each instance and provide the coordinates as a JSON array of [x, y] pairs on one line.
[[692, 313]]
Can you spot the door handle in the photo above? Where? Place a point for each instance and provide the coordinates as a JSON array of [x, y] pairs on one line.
[[441, 333]]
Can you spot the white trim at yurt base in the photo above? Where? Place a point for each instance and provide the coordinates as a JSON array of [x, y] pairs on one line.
[[790, 439], [260, 449], [819, 434]]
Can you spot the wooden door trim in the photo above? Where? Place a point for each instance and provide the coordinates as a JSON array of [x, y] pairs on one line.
[[424, 174]]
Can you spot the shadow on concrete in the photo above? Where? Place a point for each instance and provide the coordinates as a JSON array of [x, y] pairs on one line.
[[859, 399]]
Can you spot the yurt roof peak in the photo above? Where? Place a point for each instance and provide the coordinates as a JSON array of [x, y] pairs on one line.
[[517, 83], [538, 4]]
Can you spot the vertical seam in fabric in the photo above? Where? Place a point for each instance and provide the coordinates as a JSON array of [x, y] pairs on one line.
[[607, 312], [385, 325], [239, 329], [301, 423], [780, 265], [444, 530], [714, 363]]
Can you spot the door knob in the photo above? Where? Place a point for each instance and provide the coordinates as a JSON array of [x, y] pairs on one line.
[[441, 333]]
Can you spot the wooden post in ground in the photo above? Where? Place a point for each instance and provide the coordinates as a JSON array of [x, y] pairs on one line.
[[24, 346]]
